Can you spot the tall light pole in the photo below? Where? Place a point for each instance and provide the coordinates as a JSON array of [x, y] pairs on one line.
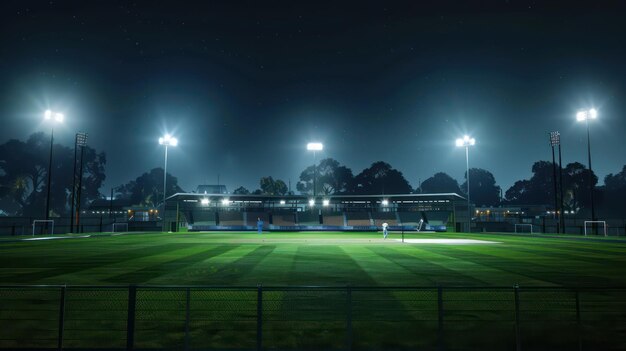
[[166, 140], [55, 118], [466, 142], [314, 147], [586, 115]]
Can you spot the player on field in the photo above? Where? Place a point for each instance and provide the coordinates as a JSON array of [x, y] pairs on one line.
[[385, 232], [259, 225]]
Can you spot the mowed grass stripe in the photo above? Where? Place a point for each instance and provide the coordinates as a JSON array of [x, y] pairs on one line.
[[273, 269], [419, 265], [384, 271], [162, 264], [226, 269], [489, 275], [71, 264], [548, 270], [326, 263]]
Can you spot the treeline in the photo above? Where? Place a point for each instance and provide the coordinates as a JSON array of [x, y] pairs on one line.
[[24, 171]]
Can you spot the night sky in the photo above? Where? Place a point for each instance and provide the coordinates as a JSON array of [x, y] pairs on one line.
[[245, 85]]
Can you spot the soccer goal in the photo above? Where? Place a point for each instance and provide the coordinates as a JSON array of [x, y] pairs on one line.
[[120, 227], [523, 225], [43, 224], [595, 222]]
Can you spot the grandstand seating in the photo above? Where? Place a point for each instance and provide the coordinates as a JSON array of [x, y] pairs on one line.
[[437, 217], [283, 218], [358, 218], [410, 218], [204, 218], [384, 217], [333, 218], [308, 218], [252, 217], [232, 218]]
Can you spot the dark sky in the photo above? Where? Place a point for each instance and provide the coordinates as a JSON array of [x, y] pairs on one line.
[[245, 85]]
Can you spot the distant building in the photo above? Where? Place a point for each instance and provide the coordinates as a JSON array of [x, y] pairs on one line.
[[211, 189]]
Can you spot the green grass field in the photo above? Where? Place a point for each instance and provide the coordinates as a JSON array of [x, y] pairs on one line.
[[476, 309], [287, 259]]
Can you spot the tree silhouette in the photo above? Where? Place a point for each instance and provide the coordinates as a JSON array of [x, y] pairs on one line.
[[483, 188], [381, 178], [440, 183]]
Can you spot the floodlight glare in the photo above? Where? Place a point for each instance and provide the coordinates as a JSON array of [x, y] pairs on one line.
[[315, 146], [225, 201], [585, 115], [47, 114], [204, 201], [385, 202], [593, 113], [466, 141], [168, 140], [311, 202], [581, 116], [282, 202], [59, 117], [326, 202]]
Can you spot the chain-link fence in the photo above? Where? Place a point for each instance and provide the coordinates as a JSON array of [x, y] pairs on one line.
[[294, 318]]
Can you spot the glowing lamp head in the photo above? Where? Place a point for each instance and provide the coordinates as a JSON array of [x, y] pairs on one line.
[[47, 114], [314, 146], [282, 202], [326, 202], [385, 202], [586, 115], [225, 201], [59, 117], [204, 201], [581, 116], [593, 113], [168, 140], [311, 202], [466, 141]]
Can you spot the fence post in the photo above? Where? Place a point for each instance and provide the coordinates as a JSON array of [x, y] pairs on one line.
[[440, 336], [259, 318], [61, 318], [100, 223], [518, 341], [348, 318], [130, 322], [578, 321], [187, 315]]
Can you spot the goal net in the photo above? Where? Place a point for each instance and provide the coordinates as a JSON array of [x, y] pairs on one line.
[[43, 226], [590, 226], [120, 227], [524, 228]]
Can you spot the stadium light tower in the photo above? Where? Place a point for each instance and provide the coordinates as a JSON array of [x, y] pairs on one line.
[[314, 147], [466, 142], [586, 115], [54, 117], [166, 140]]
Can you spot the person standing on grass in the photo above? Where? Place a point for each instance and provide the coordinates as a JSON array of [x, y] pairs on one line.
[[385, 232], [259, 225]]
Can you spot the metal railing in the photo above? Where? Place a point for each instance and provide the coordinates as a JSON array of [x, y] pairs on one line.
[[332, 318]]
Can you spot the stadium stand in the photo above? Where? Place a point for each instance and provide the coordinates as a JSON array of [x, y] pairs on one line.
[[231, 218], [410, 218], [308, 218], [359, 218], [252, 217], [333, 218], [204, 218], [284, 218], [385, 217]]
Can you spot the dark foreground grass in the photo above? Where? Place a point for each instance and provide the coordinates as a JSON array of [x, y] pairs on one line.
[[481, 315]]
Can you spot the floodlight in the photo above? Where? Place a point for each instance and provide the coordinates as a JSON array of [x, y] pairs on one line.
[[315, 146], [282, 202], [581, 116], [225, 201], [593, 113], [459, 142], [59, 117], [312, 202], [47, 114], [385, 202], [326, 202], [204, 201]]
